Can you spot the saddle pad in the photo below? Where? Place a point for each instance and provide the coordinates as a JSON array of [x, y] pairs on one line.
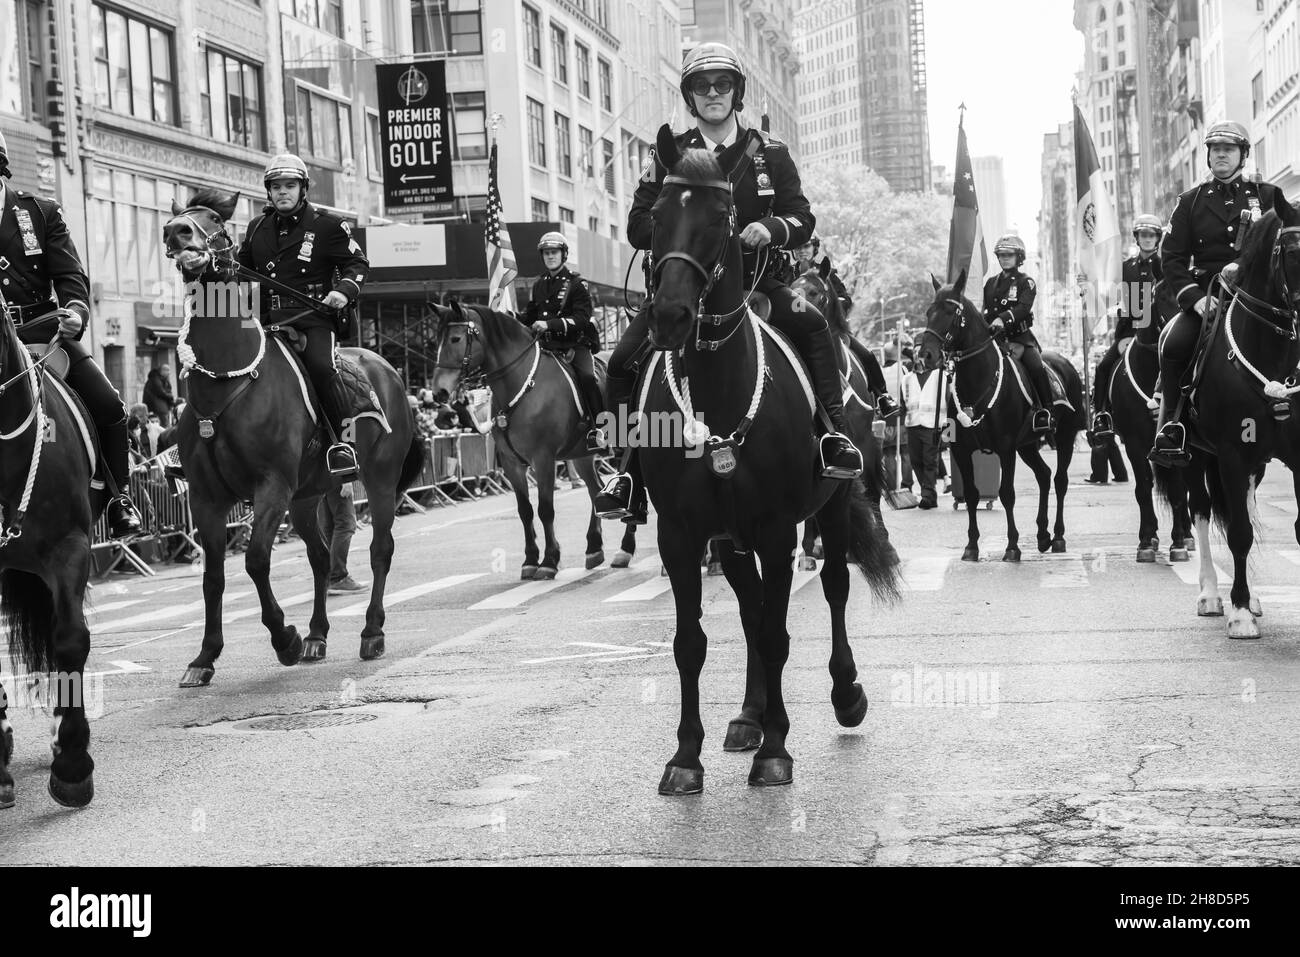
[[296, 365], [365, 403], [850, 363], [570, 378], [793, 357], [1057, 386], [77, 411]]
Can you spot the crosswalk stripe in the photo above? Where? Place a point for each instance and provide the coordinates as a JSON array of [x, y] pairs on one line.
[[514, 597], [1190, 573], [289, 602], [112, 606], [406, 594], [1290, 554], [648, 590], [165, 613], [926, 573], [1064, 573]]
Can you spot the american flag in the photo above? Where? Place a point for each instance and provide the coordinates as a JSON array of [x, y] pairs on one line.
[[500, 254], [965, 232]]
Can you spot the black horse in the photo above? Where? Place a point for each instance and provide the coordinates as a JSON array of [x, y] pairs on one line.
[[994, 396], [749, 474], [1243, 412], [1130, 392], [47, 460]]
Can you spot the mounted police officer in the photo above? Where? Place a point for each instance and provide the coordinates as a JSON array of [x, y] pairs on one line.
[[40, 271], [1204, 235], [312, 251], [772, 214], [560, 313], [1137, 310], [1009, 310]]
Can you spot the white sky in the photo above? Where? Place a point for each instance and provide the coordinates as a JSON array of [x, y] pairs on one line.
[[1013, 63]]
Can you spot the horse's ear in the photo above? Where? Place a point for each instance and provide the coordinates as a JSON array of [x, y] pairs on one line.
[[666, 147], [225, 206], [959, 287], [824, 267], [177, 208], [454, 304], [937, 286]]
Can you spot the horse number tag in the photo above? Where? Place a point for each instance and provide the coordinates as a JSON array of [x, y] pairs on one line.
[[722, 462], [502, 420], [206, 429]]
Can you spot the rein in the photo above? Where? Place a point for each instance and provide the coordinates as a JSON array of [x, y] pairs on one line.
[[502, 418], [34, 372], [1272, 388]]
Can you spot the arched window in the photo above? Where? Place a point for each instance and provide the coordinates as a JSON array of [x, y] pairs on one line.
[[1101, 15], [1119, 9]]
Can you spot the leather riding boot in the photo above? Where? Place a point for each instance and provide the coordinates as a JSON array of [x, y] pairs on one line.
[[618, 395], [624, 496], [341, 458], [840, 457], [595, 403], [886, 406], [123, 517], [1170, 446]]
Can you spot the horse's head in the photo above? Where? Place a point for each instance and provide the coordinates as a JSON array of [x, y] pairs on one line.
[[458, 348], [815, 286], [196, 235], [951, 322], [1269, 265], [693, 241]]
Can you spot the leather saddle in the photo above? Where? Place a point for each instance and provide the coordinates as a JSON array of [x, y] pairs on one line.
[[362, 397], [1054, 382]]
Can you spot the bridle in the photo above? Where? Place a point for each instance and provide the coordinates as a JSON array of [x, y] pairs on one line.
[[223, 256], [1287, 240], [468, 369], [950, 355]]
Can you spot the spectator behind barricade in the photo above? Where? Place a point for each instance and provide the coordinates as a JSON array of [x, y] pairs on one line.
[[158, 393], [921, 395], [152, 430]]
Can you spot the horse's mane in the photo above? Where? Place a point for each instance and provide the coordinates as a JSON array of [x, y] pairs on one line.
[[219, 201], [698, 164]]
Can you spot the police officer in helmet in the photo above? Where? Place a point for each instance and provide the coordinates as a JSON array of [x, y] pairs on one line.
[[1203, 237], [1137, 310], [771, 212], [312, 251], [41, 272], [560, 313], [1009, 310]]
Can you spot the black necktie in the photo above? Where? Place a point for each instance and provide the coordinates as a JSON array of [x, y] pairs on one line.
[[719, 148]]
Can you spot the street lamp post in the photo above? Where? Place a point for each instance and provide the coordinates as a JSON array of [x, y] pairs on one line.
[[898, 350]]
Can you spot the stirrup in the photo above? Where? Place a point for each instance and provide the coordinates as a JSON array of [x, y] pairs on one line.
[[614, 501], [596, 443], [839, 471], [1170, 446], [341, 460], [1042, 421]]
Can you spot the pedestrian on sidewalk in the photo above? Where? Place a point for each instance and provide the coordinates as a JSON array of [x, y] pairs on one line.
[[921, 396], [338, 523]]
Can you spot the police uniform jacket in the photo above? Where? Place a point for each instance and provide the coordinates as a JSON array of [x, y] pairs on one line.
[[1009, 296], [312, 251], [1203, 233], [563, 302], [785, 213], [1137, 309], [39, 266]]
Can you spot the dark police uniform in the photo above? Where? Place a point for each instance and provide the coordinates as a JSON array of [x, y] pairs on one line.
[[40, 271], [1009, 296], [768, 191], [563, 301], [1136, 317], [1203, 236], [870, 364], [312, 251]]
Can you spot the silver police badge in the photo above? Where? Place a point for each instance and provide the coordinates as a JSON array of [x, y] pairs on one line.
[[206, 429], [722, 461]]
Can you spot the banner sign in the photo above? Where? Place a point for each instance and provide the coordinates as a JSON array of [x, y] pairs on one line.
[[415, 137]]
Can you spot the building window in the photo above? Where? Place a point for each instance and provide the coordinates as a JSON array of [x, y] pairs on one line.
[[566, 215], [325, 15], [541, 211], [583, 57], [1256, 95], [1101, 15], [230, 92], [593, 223], [606, 75], [126, 213], [324, 126], [374, 167], [1120, 58], [1105, 63], [447, 26], [133, 67], [563, 146], [602, 13], [687, 8], [22, 58], [536, 133], [533, 36], [1119, 33], [586, 152], [469, 126], [607, 153], [560, 54]]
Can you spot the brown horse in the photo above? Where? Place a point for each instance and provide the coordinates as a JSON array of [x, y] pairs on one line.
[[47, 458], [247, 433], [537, 421]]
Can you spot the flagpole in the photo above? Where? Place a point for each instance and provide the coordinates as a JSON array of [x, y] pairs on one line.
[[1087, 352]]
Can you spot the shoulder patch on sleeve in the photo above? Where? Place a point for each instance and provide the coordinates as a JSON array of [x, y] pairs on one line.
[[1029, 283]]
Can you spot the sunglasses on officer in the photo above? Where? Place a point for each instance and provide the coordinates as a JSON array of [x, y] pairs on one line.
[[700, 86]]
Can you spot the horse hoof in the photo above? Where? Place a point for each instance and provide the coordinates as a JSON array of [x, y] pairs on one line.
[[1011, 555], [1209, 607], [971, 554], [372, 647], [852, 716], [1147, 556], [743, 736], [1256, 608], [313, 650], [1189, 544], [197, 677], [595, 560], [715, 569], [1177, 555], [6, 796], [1044, 543], [771, 772], [545, 574], [72, 795], [678, 782], [527, 573], [1058, 546], [807, 564], [621, 560], [1243, 627]]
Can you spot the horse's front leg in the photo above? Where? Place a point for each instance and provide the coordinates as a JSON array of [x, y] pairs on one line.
[[270, 502], [963, 459], [1007, 496], [1064, 455], [210, 525], [772, 763], [1032, 457], [544, 469], [1148, 521], [1238, 490], [847, 696], [586, 470], [745, 732], [72, 782], [679, 548], [517, 473], [305, 515]]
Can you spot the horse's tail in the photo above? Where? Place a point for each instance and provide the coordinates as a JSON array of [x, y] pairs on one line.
[[869, 546], [415, 456], [27, 606]]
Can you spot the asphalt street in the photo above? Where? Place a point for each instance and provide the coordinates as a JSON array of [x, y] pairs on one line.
[[1071, 709]]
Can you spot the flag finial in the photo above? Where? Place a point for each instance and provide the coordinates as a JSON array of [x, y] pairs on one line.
[[962, 107], [493, 122]]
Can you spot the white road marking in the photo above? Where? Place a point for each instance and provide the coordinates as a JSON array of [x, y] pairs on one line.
[[164, 613], [299, 599], [926, 572], [1290, 554], [648, 590], [611, 653], [514, 597], [112, 606], [1064, 572], [406, 594], [1190, 573]]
